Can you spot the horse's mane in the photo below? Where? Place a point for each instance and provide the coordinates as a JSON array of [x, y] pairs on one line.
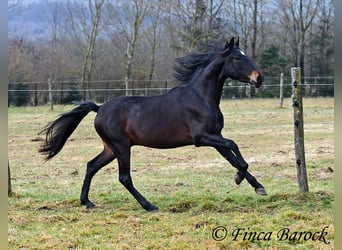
[[187, 67]]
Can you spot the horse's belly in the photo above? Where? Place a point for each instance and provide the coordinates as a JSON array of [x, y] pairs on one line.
[[162, 138]]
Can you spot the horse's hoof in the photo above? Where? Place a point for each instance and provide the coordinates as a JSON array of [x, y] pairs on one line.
[[152, 209], [238, 179], [88, 204], [260, 191]]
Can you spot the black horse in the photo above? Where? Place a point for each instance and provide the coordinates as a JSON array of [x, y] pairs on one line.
[[188, 114]]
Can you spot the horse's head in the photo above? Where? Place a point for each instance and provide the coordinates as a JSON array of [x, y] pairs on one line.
[[238, 66]]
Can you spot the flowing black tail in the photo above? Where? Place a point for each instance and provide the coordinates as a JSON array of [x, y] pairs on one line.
[[58, 131]]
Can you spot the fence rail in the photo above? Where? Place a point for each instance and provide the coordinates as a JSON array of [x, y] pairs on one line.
[[37, 92]]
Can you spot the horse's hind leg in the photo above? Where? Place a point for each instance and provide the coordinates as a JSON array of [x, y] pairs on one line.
[[124, 155], [93, 166]]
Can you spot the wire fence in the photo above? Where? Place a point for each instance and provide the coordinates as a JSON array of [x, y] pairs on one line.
[[36, 93]]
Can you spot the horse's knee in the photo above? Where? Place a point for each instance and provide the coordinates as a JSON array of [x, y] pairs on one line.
[[232, 145], [125, 180], [244, 165]]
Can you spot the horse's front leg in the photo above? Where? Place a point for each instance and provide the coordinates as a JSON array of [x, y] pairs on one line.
[[230, 151], [236, 160], [241, 174]]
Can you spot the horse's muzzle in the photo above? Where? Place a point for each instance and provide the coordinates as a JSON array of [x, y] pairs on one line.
[[256, 78]]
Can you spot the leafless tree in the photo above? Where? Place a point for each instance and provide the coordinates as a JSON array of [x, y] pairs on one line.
[[130, 16], [54, 17], [297, 17], [255, 28], [321, 44], [85, 24], [20, 66], [153, 39], [192, 23], [138, 39]]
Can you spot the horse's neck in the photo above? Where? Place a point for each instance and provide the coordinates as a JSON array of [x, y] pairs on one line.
[[208, 83]]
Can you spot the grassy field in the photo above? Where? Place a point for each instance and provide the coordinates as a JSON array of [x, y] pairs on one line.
[[193, 187]]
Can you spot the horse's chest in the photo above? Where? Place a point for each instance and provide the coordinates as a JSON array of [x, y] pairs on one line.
[[213, 120], [219, 122]]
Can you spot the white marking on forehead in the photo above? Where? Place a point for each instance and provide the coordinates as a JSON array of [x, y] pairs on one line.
[[242, 53]]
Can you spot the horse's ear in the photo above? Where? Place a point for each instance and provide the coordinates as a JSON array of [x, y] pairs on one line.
[[230, 44], [228, 47], [237, 42]]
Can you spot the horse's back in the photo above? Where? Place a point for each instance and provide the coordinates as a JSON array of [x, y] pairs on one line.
[[155, 121]]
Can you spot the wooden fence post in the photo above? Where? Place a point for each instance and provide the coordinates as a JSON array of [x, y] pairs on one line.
[[297, 105], [281, 94]]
